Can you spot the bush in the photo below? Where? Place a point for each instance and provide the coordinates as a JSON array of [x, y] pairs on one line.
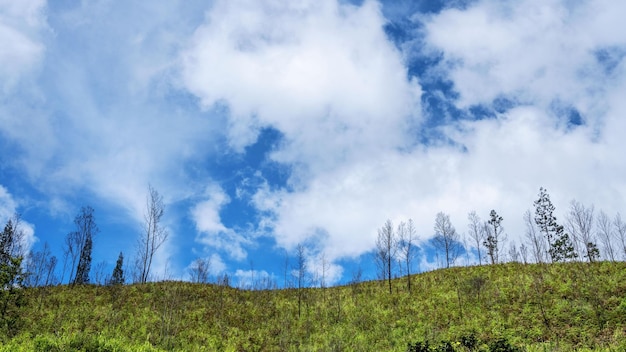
[[420, 346], [502, 345]]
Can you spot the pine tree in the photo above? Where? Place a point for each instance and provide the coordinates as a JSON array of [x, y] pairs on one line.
[[494, 236], [11, 278], [84, 263], [117, 278], [560, 245]]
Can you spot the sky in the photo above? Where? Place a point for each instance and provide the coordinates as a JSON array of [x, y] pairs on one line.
[[266, 124]]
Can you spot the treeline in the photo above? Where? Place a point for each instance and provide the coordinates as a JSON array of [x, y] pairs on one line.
[[584, 236]]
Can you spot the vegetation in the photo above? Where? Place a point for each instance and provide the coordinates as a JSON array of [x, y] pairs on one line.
[[504, 307], [570, 299]]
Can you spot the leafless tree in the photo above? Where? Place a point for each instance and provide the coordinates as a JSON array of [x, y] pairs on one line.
[[620, 233], [386, 250], [514, 253], [476, 233], [407, 235], [153, 236], [523, 250], [446, 238], [301, 270], [580, 225], [537, 242], [199, 270], [40, 267], [605, 234], [101, 277]]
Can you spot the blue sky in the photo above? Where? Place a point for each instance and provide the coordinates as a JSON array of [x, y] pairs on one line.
[[266, 124]]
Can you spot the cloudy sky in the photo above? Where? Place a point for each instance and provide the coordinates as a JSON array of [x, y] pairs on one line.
[[266, 124]]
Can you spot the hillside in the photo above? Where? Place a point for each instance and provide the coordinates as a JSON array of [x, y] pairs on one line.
[[557, 307]]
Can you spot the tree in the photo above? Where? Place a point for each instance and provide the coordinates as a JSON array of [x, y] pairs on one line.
[[11, 277], [301, 268], [84, 264], [407, 235], [605, 233], [580, 225], [199, 270], [40, 267], [79, 245], [537, 243], [117, 277], [386, 248], [476, 232], [153, 236], [494, 236], [446, 238], [620, 232], [559, 243]]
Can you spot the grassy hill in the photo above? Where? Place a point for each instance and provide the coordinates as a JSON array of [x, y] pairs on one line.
[[557, 307]]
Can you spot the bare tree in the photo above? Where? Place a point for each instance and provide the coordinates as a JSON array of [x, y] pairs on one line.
[[620, 233], [199, 270], [514, 253], [580, 225], [407, 235], [40, 267], [301, 268], [537, 243], [153, 236], [386, 250], [446, 238], [101, 277], [476, 233], [605, 233], [523, 250]]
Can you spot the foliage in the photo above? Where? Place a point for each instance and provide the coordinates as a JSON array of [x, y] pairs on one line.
[[481, 308], [560, 245], [117, 277], [11, 280]]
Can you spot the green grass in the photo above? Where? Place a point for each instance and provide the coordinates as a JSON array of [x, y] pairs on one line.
[[558, 307]]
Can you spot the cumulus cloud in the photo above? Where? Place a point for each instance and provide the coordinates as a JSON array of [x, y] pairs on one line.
[[312, 69], [324, 75], [541, 56], [212, 232]]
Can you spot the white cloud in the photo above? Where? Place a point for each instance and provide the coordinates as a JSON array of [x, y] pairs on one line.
[[326, 76], [254, 279], [8, 210], [21, 24], [531, 52], [212, 232], [312, 69]]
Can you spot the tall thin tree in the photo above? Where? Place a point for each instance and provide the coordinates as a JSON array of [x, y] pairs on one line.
[[495, 236], [560, 245], [476, 233], [580, 225], [605, 233], [446, 238], [407, 236], [386, 250], [79, 245], [153, 236]]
